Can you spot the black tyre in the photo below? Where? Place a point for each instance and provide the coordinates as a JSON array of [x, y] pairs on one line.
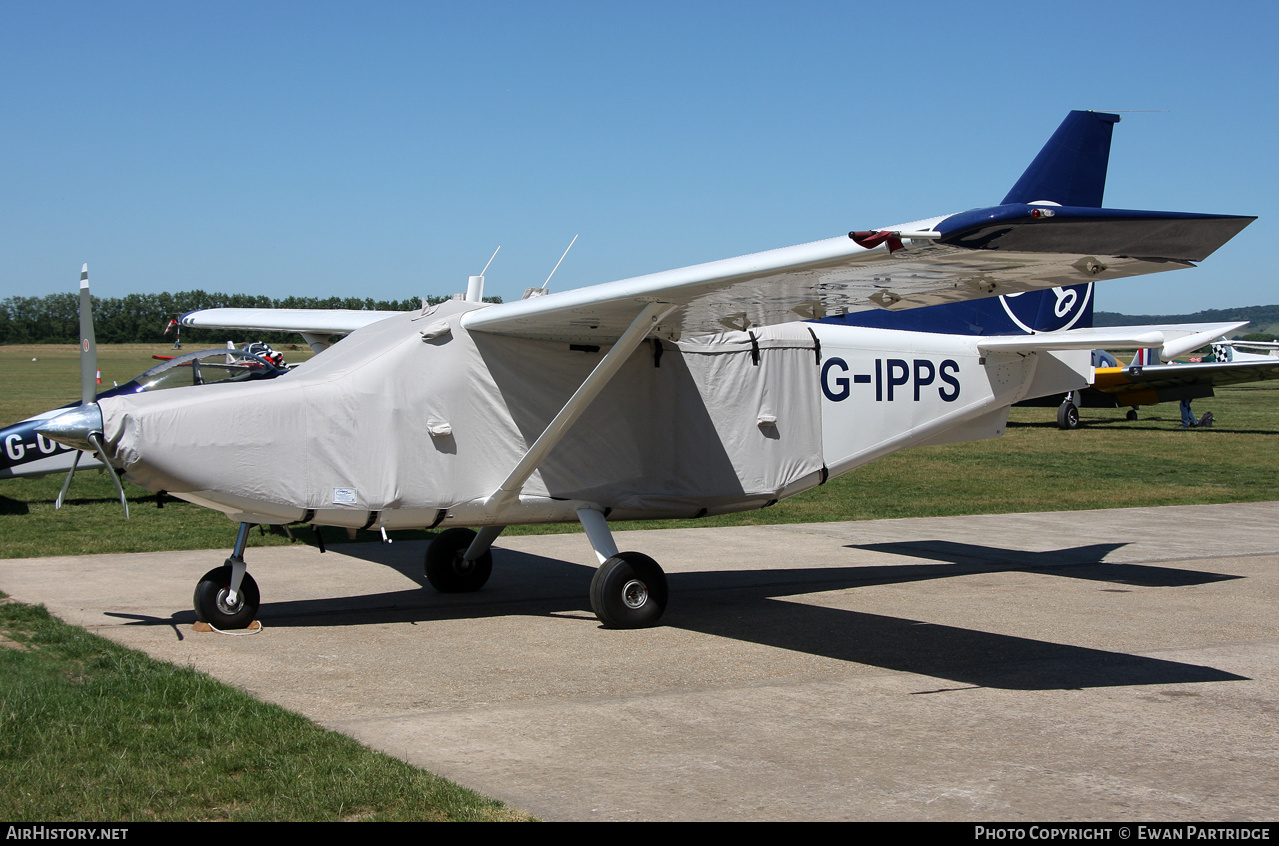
[[448, 571], [210, 600], [1132, 414], [1067, 416], [629, 591]]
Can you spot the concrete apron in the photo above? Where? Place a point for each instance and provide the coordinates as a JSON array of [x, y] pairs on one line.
[[1089, 665]]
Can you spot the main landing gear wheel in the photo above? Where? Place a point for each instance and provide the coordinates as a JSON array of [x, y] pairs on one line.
[[1067, 416], [211, 604], [1132, 414], [629, 591], [448, 571]]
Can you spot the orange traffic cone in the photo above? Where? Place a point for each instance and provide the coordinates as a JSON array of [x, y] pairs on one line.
[[99, 377]]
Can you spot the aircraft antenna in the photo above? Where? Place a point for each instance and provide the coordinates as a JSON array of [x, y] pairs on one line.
[[490, 261], [557, 264]]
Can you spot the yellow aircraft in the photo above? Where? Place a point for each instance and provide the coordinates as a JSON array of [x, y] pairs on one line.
[[1147, 382]]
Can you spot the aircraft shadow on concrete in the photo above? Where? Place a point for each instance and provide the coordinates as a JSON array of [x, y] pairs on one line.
[[750, 606], [1080, 562]]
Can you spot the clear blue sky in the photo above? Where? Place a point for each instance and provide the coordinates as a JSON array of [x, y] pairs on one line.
[[384, 149]]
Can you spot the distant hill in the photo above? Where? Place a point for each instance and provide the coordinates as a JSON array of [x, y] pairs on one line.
[[1263, 318]]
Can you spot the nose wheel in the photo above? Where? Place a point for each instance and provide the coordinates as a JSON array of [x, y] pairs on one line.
[[214, 606], [227, 597]]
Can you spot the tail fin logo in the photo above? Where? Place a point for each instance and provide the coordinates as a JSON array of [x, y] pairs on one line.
[[1041, 314]]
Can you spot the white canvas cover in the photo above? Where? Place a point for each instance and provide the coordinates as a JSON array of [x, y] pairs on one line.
[[414, 424]]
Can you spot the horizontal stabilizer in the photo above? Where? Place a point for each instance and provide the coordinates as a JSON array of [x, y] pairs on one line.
[[1172, 338], [1074, 339], [1200, 335]]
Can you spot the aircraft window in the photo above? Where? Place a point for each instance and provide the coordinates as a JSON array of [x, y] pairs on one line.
[[206, 368]]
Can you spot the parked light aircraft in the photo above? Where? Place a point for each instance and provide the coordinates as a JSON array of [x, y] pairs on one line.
[[677, 394], [24, 452], [1228, 350], [1147, 381]]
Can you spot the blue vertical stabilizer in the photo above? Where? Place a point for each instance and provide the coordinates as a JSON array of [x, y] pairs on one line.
[[1071, 168]]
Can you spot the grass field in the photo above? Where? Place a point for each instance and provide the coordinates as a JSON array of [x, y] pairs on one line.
[[92, 731], [79, 716], [1035, 467]]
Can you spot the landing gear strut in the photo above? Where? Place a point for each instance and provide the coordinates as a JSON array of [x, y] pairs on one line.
[[227, 597], [629, 589]]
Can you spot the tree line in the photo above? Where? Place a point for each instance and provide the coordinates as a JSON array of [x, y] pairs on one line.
[[1264, 319], [143, 318]]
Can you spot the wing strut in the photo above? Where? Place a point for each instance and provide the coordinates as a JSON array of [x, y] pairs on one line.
[[510, 489]]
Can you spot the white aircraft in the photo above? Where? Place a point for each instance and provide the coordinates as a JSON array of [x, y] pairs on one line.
[[688, 392]]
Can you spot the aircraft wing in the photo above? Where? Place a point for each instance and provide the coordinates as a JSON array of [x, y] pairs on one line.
[[987, 252], [1127, 381], [333, 321]]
